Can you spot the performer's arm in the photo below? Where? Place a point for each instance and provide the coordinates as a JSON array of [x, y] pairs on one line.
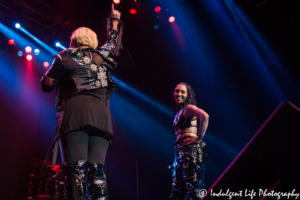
[[112, 45], [115, 15], [201, 115], [53, 75]]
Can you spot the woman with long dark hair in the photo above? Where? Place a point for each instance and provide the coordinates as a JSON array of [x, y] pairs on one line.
[[80, 75], [188, 167]]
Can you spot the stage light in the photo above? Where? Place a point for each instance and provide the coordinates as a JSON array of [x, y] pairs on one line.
[[28, 49], [20, 53], [46, 64], [11, 41], [171, 19], [156, 27], [117, 1], [45, 46], [29, 57], [133, 11], [142, 96], [59, 45], [36, 52], [157, 9], [17, 25]]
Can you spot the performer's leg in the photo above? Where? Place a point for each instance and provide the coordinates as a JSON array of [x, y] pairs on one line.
[[96, 176], [74, 146], [193, 172], [76, 180], [97, 149], [178, 187]]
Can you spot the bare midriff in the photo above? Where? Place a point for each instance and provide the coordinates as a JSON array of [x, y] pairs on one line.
[[187, 132]]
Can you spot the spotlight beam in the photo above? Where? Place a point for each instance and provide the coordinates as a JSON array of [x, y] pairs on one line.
[[20, 42], [143, 97], [243, 25], [52, 51], [60, 46]]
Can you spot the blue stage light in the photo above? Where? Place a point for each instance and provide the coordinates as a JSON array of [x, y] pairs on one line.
[[156, 27], [142, 96], [60, 46], [45, 46], [21, 42], [36, 52], [20, 53], [17, 25]]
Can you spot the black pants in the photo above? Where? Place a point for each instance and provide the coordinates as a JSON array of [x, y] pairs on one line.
[[188, 171], [79, 145]]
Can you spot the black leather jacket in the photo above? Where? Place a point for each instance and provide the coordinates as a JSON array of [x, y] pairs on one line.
[[81, 73]]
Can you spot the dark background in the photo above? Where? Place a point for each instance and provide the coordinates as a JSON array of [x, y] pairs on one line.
[[240, 57]]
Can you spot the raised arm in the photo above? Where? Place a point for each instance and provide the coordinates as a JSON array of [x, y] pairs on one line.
[[115, 15], [203, 117], [114, 36]]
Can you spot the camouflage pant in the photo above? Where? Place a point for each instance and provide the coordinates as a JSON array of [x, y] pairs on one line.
[[188, 171]]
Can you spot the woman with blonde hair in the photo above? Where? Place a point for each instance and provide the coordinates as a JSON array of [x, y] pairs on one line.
[[83, 85]]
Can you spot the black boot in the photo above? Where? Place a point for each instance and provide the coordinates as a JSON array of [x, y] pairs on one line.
[[76, 180], [97, 181]]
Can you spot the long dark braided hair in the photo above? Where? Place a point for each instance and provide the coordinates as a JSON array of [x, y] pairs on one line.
[[191, 98]]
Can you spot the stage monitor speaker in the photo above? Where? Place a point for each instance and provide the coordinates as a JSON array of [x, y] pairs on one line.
[[269, 163]]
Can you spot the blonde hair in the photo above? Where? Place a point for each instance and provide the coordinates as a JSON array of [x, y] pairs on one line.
[[84, 37]]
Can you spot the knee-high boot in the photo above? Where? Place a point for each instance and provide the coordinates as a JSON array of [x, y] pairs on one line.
[[97, 181], [76, 180]]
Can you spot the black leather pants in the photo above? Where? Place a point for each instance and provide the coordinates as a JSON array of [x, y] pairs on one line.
[[97, 182], [188, 171]]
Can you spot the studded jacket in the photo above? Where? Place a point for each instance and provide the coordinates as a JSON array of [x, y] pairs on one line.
[[81, 73]]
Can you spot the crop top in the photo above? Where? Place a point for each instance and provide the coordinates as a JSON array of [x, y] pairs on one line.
[[183, 122]]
